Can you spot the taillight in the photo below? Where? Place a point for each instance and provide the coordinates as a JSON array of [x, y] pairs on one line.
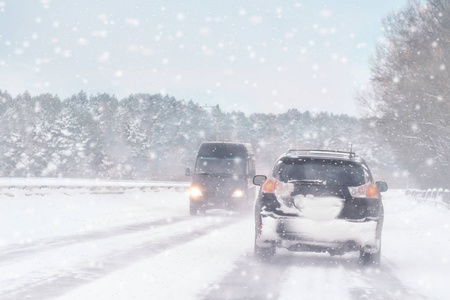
[[372, 191], [269, 186], [367, 190], [282, 190]]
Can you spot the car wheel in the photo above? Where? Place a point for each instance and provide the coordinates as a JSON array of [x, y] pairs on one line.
[[368, 259], [264, 253], [196, 209]]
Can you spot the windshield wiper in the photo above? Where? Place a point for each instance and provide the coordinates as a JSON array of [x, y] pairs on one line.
[[309, 181]]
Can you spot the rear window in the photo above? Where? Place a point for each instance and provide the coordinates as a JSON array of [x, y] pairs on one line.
[[330, 172]]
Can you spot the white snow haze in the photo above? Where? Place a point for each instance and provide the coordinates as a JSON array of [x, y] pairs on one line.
[[155, 149], [253, 57]]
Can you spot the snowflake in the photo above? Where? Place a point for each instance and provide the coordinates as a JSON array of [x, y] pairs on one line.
[[325, 13], [181, 17], [255, 20], [132, 22]]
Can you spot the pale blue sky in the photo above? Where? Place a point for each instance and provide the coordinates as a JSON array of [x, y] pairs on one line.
[[253, 56]]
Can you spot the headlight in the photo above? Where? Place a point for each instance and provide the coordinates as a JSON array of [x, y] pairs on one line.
[[238, 194], [195, 192]]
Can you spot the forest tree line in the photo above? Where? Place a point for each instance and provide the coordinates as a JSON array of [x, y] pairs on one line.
[[154, 137], [405, 131]]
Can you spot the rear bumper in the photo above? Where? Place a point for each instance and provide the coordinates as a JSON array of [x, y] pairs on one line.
[[336, 236]]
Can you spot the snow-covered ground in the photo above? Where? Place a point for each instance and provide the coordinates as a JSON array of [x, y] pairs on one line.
[[87, 183], [145, 245]]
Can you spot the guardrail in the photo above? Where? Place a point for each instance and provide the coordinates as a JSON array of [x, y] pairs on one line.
[[37, 185], [435, 195]]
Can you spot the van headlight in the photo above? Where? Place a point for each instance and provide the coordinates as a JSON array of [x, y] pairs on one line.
[[195, 192], [238, 194]]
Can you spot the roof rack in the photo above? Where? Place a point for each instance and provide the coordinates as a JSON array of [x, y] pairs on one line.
[[350, 154]]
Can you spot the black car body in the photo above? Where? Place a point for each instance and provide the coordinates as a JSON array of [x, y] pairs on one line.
[[222, 177], [321, 201]]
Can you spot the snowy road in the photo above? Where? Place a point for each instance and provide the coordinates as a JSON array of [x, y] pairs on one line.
[[140, 245]]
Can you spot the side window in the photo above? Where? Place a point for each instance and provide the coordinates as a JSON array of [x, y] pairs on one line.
[[367, 176], [277, 170], [248, 168], [251, 167]]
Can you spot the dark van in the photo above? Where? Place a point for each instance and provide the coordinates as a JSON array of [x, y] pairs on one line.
[[222, 177]]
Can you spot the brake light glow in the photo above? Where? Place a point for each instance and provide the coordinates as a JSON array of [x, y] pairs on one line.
[[269, 186], [372, 191], [367, 190]]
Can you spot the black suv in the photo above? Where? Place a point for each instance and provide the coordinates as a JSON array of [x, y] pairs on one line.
[[321, 201]]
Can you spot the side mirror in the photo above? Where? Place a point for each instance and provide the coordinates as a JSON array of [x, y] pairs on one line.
[[187, 172], [382, 186], [259, 179]]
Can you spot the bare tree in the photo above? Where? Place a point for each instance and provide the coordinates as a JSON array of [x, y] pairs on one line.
[[409, 95]]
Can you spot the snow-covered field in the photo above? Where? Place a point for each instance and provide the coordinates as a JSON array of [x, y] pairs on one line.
[[145, 245]]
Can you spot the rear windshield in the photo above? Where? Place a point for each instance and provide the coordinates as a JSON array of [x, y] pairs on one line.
[[330, 172]]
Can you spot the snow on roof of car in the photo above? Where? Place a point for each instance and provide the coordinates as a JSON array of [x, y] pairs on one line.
[[321, 154]]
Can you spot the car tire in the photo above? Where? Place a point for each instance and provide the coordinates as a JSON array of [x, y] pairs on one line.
[[370, 259], [264, 253], [196, 209]]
